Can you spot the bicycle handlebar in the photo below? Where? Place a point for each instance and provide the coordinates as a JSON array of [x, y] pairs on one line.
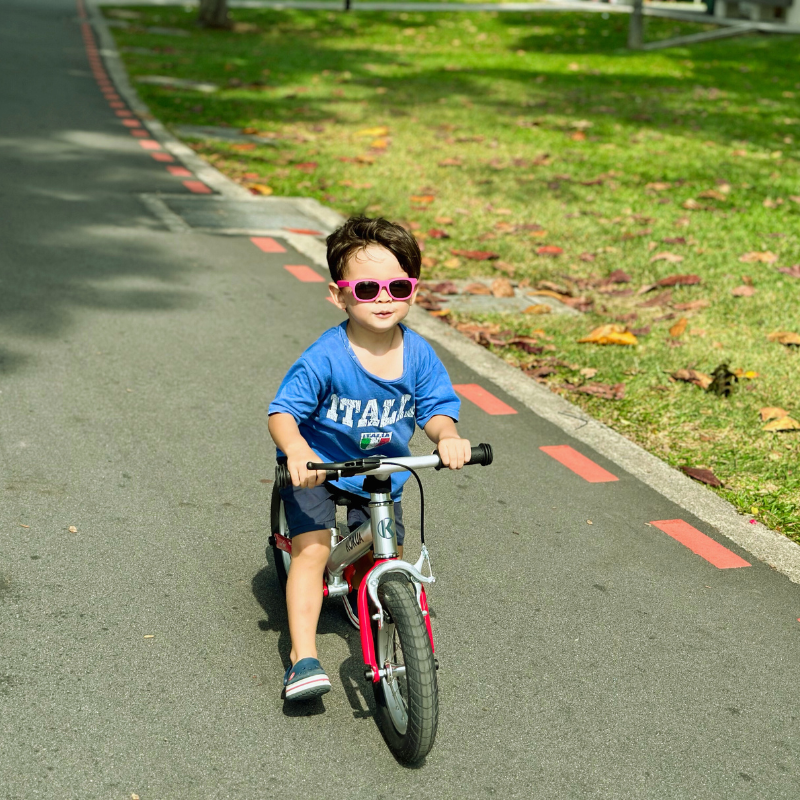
[[481, 454]]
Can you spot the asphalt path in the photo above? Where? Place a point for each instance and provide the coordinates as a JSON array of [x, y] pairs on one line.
[[584, 653]]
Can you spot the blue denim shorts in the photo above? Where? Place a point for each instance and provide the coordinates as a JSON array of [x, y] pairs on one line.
[[314, 510]]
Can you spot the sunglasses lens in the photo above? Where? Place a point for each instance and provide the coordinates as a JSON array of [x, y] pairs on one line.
[[366, 290], [400, 289]]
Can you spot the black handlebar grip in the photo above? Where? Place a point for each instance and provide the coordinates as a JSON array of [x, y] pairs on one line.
[[282, 477], [481, 454]]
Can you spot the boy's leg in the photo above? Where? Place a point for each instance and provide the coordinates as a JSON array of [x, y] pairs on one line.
[[310, 553]]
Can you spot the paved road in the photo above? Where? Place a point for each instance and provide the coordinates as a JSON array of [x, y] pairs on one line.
[[579, 660]]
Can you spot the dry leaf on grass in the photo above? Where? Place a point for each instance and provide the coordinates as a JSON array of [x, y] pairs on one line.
[[610, 334], [765, 257], [712, 194], [665, 256], [678, 328], [785, 337], [671, 280], [451, 263], [602, 390], [793, 271], [782, 424], [444, 287], [538, 308], [695, 305], [743, 291], [476, 255], [618, 276], [772, 412], [450, 162], [501, 287], [422, 199], [703, 475], [438, 233], [260, 189], [746, 374], [692, 376], [476, 288], [549, 250]]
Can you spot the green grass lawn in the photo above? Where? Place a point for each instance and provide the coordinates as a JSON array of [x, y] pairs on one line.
[[513, 132]]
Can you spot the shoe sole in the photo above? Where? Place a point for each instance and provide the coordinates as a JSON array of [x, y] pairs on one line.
[[313, 686]]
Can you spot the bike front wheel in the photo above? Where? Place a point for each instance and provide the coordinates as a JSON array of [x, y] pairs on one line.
[[407, 697]]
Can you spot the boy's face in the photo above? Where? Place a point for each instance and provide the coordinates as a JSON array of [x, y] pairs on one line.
[[383, 313]]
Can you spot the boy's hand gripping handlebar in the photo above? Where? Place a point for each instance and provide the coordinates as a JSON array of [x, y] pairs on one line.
[[481, 454]]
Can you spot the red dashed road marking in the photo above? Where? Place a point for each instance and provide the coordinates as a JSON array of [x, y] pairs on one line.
[[483, 399], [149, 144], [267, 244], [578, 463], [162, 156], [198, 187], [117, 104], [139, 132], [306, 231], [704, 546], [304, 273], [179, 172], [131, 123], [124, 113]]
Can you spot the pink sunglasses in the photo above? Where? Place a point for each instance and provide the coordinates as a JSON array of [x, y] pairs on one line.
[[367, 290]]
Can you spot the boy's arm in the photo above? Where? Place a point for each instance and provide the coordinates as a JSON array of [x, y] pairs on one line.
[[287, 436], [453, 450]]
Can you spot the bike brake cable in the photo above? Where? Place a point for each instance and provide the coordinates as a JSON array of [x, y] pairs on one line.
[[421, 499]]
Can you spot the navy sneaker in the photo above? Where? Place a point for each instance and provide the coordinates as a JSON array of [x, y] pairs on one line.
[[350, 602], [305, 679]]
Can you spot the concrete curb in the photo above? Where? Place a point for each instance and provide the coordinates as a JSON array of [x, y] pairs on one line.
[[769, 546]]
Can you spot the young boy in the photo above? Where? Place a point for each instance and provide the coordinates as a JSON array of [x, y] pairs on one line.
[[360, 387]]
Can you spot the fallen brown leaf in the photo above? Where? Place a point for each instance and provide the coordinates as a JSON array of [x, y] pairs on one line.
[[476, 288], [712, 194], [602, 390], [785, 337], [772, 412], [538, 308], [743, 291], [501, 287], [695, 305], [549, 250], [703, 475], [450, 162], [422, 199], [692, 376], [444, 287], [665, 256], [618, 276], [793, 271], [765, 257], [438, 233], [476, 255]]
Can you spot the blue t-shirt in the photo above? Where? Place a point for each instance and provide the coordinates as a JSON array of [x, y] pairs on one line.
[[345, 412]]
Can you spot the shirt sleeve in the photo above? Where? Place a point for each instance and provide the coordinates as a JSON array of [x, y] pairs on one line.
[[300, 392], [434, 391]]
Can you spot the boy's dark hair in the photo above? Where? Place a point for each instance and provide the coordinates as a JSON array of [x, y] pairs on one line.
[[360, 232]]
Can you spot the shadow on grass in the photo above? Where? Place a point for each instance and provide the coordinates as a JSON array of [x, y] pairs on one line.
[[690, 91]]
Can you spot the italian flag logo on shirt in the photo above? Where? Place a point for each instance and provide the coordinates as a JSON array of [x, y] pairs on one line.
[[369, 441]]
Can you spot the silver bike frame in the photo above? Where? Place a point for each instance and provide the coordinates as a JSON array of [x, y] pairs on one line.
[[384, 544]]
